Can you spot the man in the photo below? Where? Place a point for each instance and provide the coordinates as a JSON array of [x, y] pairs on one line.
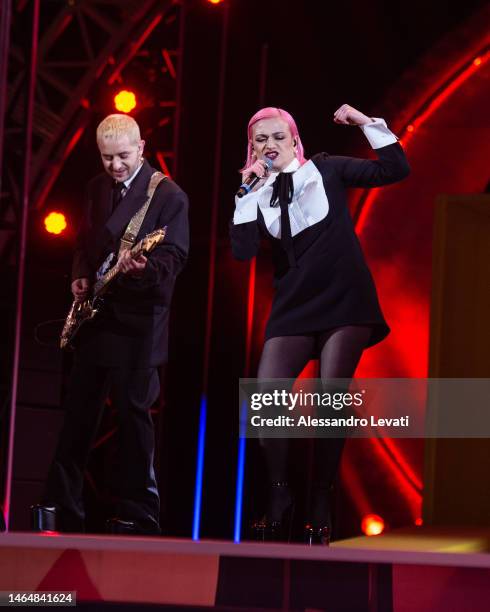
[[118, 352]]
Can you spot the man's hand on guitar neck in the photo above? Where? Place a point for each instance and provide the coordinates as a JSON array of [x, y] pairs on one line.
[[128, 265], [79, 288]]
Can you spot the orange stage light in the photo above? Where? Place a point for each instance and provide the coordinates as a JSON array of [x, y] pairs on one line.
[[55, 223], [215, 1], [125, 101], [372, 524]]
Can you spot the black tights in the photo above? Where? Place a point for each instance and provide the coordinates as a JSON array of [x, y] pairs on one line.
[[340, 350]]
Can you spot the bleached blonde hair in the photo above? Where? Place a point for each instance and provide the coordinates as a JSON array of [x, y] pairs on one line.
[[115, 126]]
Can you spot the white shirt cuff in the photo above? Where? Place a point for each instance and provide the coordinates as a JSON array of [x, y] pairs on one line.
[[246, 208], [378, 133]]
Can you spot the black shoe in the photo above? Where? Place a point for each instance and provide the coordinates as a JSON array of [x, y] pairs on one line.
[[317, 535], [276, 525], [43, 518], [119, 526]]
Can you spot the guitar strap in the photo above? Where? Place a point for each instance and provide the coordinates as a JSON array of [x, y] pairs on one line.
[[134, 226]]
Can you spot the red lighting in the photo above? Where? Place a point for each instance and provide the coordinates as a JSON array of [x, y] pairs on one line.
[[55, 223], [372, 525], [419, 522], [451, 85], [125, 101], [215, 1], [163, 164]]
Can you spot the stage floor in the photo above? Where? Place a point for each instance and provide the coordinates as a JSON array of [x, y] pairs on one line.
[[436, 565]]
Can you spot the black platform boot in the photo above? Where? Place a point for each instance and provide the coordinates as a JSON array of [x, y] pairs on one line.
[[319, 529], [276, 524]]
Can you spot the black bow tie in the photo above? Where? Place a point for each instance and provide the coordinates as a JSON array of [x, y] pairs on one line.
[[282, 194]]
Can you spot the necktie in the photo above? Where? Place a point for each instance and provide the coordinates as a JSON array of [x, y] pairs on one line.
[[282, 193], [118, 192]]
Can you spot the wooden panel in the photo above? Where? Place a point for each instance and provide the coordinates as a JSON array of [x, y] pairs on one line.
[[457, 472]]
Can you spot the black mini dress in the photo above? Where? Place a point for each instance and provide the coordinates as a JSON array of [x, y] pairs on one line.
[[321, 278]]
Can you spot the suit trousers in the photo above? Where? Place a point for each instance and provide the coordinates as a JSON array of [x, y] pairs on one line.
[[133, 485]]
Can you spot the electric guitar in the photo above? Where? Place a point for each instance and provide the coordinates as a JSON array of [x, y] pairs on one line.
[[80, 312]]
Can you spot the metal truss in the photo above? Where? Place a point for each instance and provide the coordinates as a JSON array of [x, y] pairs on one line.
[[85, 48]]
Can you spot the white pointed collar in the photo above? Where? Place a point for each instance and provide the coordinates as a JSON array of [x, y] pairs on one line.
[[309, 204]]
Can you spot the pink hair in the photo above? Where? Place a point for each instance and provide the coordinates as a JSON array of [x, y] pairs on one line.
[[268, 113]]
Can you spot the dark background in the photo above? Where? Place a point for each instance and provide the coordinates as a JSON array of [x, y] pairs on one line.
[[319, 56]]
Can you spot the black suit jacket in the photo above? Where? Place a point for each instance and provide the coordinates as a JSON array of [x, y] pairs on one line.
[[131, 330]]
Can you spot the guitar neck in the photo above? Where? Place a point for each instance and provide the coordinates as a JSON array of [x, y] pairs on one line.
[[101, 285]]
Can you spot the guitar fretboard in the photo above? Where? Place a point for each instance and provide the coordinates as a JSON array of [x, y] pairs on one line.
[[109, 276]]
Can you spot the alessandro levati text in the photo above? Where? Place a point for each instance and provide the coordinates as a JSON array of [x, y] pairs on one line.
[[309, 421]]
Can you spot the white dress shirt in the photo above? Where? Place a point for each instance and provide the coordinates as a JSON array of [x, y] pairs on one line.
[[127, 182], [309, 203]]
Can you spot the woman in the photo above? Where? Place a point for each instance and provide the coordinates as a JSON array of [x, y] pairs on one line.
[[325, 302]]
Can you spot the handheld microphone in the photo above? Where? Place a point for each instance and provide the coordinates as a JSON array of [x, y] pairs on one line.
[[252, 180]]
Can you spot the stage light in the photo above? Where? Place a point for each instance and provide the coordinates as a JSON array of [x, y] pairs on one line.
[[215, 1], [125, 101], [477, 61], [55, 223], [410, 128], [372, 525], [419, 522], [201, 443]]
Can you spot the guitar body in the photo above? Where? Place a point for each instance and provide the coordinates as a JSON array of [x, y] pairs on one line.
[[80, 312]]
